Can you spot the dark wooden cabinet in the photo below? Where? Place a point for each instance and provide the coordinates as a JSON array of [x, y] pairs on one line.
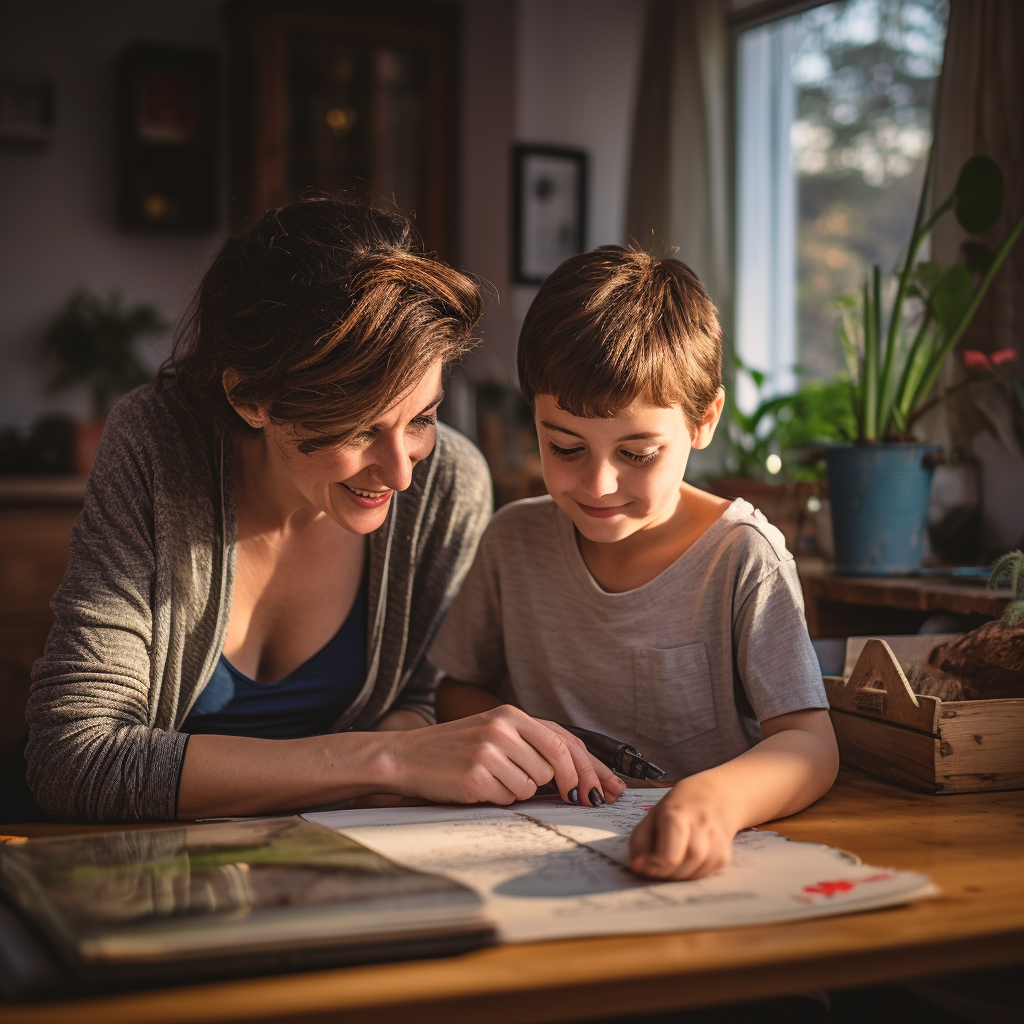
[[36, 516], [338, 96]]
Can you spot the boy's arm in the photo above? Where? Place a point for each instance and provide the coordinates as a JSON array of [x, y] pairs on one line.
[[460, 700], [689, 833]]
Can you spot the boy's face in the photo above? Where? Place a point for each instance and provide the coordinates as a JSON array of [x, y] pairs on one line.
[[615, 477]]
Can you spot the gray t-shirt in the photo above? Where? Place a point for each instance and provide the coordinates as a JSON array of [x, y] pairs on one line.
[[684, 668]]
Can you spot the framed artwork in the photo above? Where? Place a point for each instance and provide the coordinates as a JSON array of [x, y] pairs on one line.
[[167, 127], [549, 218], [26, 111]]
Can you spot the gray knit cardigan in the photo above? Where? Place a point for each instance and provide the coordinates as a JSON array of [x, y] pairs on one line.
[[143, 608]]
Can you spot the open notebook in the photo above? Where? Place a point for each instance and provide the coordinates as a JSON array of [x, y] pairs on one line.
[[237, 897], [548, 870]]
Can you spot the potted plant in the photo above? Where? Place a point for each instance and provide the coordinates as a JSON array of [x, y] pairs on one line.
[[93, 340], [773, 453], [880, 484]]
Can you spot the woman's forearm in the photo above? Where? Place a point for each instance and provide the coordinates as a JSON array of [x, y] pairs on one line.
[[401, 720], [496, 757], [239, 775]]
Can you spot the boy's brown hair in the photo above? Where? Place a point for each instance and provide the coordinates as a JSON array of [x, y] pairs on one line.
[[615, 325]]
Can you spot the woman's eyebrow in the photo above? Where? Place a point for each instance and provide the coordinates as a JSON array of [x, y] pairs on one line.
[[436, 402]]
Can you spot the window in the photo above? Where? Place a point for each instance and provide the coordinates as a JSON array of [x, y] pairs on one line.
[[834, 113]]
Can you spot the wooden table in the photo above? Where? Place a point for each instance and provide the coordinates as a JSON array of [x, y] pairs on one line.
[[886, 605], [971, 845]]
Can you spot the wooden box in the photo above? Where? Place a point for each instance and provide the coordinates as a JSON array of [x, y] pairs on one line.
[[964, 746]]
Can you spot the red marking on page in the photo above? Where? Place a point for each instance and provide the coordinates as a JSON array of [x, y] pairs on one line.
[[843, 885], [829, 888]]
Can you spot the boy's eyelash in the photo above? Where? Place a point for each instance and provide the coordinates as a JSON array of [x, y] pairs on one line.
[[563, 453], [570, 453], [643, 458]]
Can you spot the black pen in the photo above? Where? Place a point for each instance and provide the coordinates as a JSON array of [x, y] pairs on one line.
[[618, 755]]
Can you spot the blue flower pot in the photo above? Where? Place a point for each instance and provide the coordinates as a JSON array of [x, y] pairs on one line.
[[879, 495]]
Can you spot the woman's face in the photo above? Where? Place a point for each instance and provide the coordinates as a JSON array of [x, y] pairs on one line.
[[353, 483]]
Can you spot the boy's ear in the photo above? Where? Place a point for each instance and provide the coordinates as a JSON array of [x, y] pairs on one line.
[[705, 430]]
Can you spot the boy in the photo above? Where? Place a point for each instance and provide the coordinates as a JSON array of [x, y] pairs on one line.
[[627, 601]]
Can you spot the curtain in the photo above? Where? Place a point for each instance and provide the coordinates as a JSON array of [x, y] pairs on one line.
[[980, 109], [680, 182]]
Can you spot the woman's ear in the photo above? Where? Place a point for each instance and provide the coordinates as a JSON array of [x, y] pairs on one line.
[[705, 430], [253, 413]]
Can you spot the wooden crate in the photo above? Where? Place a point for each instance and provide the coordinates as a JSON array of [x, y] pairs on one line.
[[964, 746]]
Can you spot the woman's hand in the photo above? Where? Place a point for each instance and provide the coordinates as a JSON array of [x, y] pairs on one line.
[[687, 834], [598, 784], [499, 756]]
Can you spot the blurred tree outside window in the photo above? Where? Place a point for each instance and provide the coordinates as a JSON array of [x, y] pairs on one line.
[[833, 131]]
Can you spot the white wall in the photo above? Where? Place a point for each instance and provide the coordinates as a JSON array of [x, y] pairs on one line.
[[57, 228], [577, 71], [487, 130]]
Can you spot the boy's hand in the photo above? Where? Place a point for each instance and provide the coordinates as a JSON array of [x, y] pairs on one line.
[[687, 834]]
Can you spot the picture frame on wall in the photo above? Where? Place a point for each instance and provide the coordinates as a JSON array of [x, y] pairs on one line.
[[550, 209], [167, 138], [26, 111]]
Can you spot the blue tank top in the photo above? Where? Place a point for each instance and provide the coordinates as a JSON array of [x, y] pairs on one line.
[[305, 702]]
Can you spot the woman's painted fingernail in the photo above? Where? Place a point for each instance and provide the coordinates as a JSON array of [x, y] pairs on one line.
[[595, 797], [574, 795]]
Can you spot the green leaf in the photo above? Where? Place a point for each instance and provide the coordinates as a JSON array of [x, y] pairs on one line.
[[979, 195], [952, 296], [927, 274], [977, 257], [951, 337], [869, 376], [93, 342]]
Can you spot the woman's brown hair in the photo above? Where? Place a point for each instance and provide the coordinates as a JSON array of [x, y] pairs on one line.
[[330, 313], [615, 325]]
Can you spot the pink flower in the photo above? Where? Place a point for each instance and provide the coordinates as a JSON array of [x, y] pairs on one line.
[[975, 360], [1004, 355]]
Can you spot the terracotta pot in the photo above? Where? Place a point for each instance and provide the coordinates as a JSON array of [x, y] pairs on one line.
[[87, 443]]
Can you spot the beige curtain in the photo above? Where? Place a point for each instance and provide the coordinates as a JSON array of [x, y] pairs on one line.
[[980, 109], [680, 183]]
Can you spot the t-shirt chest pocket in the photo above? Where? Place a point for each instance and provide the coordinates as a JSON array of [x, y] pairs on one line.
[[674, 699]]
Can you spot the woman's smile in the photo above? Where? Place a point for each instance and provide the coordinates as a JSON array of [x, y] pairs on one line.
[[367, 498]]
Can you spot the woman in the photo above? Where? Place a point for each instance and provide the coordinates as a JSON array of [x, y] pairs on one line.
[[272, 534]]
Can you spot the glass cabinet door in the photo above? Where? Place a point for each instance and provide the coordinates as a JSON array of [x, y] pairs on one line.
[[330, 98]]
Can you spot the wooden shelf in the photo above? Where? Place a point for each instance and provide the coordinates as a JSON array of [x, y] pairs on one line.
[[859, 605]]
